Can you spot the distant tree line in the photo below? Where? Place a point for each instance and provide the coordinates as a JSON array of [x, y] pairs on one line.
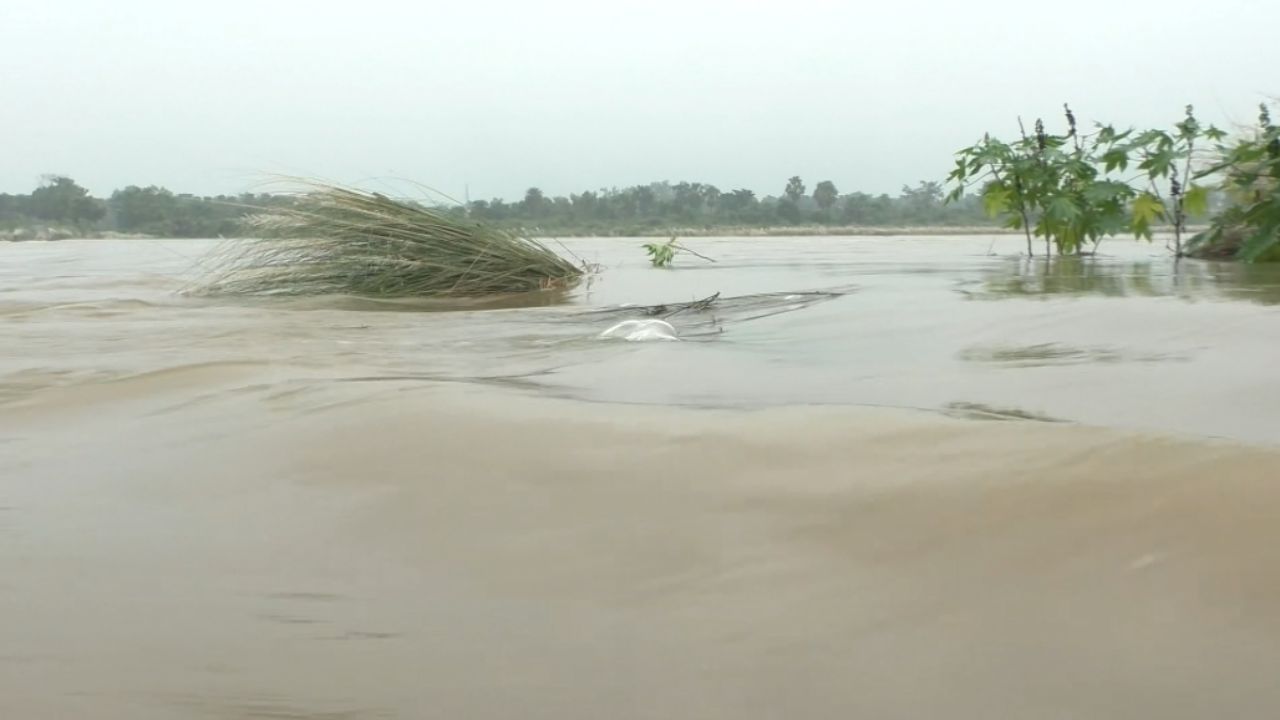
[[60, 201], [698, 205]]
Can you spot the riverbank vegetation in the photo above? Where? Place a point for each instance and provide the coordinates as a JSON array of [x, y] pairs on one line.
[[62, 208], [1074, 189], [1248, 228], [330, 240]]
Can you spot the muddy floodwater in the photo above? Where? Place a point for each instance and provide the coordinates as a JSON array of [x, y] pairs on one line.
[[875, 478]]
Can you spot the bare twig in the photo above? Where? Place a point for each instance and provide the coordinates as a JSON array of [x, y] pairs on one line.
[[693, 252]]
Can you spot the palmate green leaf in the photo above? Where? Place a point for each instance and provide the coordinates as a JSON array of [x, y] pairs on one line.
[[1148, 208], [1158, 164], [1112, 223], [1148, 137], [1080, 169], [1196, 201], [1106, 191], [1062, 209], [1113, 136], [1115, 159], [995, 199]]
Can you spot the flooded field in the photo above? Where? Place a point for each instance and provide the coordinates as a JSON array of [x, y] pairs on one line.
[[932, 324], [878, 477]]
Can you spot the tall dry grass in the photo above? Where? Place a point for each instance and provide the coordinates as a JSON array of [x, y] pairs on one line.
[[343, 241]]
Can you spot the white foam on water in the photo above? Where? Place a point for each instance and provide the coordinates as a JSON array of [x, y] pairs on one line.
[[641, 330]]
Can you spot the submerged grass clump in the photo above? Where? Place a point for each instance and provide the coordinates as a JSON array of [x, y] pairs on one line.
[[332, 240]]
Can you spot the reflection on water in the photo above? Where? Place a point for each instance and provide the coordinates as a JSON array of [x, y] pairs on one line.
[[1108, 277]]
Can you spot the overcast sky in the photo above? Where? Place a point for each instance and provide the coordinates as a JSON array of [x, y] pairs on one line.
[[494, 97]]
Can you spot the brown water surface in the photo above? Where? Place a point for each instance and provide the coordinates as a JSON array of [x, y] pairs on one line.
[[334, 508]]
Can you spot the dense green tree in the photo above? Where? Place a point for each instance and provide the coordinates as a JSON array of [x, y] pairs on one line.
[[825, 195], [646, 200], [795, 189], [534, 201], [13, 209], [586, 206], [789, 211], [923, 204], [736, 202], [144, 210], [157, 211], [60, 199]]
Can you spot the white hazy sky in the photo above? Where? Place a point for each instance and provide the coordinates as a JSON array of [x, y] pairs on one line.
[[210, 97]]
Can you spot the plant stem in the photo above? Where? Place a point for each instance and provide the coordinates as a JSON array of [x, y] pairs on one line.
[[1186, 180], [694, 252], [1022, 210]]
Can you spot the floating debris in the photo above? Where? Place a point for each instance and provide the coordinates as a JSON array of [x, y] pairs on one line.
[[706, 317], [640, 330]]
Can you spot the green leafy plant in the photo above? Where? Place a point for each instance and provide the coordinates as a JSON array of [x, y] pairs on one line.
[[1005, 172], [1049, 186], [1069, 188], [1166, 160], [1249, 228], [662, 254]]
